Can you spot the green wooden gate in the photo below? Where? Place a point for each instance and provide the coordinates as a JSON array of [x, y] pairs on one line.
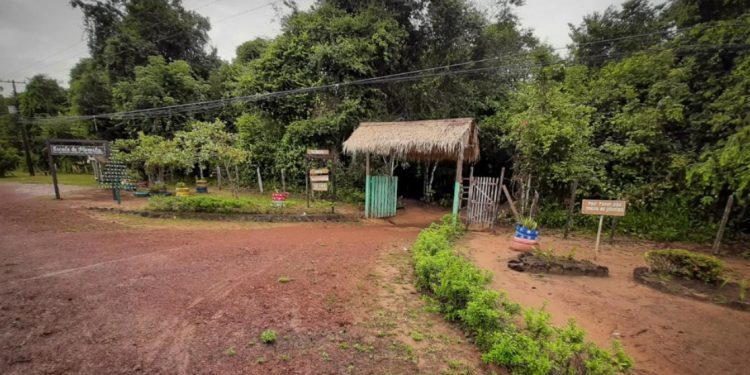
[[380, 196]]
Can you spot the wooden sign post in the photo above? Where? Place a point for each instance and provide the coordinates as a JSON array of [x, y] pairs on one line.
[[318, 179], [72, 147], [602, 208]]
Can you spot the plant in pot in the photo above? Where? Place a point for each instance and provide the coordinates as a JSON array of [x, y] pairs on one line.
[[526, 235], [181, 190], [201, 186]]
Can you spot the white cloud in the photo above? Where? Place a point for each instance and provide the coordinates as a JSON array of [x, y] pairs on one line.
[[33, 30]]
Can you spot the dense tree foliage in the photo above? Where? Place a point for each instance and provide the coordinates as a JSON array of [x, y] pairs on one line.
[[649, 105]]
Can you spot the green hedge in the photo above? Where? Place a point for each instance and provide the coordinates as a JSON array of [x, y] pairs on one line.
[[463, 296], [206, 203], [686, 264]]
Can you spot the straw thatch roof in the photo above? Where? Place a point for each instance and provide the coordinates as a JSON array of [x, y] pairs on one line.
[[417, 140]]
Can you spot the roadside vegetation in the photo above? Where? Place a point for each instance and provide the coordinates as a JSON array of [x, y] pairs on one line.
[[520, 339]]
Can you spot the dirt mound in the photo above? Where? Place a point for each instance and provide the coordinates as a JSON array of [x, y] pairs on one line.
[[725, 295], [530, 262]]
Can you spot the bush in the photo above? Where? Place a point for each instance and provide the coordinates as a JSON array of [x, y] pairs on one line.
[[202, 203], [8, 159], [670, 220], [686, 264], [268, 336], [461, 292]]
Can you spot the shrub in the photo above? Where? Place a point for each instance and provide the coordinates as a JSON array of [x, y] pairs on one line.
[[686, 264], [202, 203], [268, 336], [8, 159]]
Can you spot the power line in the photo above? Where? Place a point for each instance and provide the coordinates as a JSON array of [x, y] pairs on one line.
[[520, 69]]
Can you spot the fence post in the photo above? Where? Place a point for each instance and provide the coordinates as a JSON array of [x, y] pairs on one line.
[[724, 218], [571, 208], [367, 185]]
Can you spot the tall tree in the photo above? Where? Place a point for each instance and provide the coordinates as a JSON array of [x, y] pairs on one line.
[[159, 84], [615, 33]]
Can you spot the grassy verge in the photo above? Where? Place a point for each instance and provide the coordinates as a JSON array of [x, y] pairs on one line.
[[62, 178], [250, 204], [521, 340]]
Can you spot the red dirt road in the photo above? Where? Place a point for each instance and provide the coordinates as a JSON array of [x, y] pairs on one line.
[[83, 295]]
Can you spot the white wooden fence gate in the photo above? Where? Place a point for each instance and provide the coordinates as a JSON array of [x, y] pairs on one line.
[[483, 202]]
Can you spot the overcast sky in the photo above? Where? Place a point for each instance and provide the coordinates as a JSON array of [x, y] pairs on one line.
[[47, 36]]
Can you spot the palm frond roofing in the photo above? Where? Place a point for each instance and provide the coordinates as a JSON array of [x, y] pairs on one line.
[[417, 140]]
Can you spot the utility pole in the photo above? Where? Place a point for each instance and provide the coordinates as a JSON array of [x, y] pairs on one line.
[[14, 115]]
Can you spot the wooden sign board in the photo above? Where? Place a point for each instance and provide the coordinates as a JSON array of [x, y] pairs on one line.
[[77, 150], [603, 207], [314, 172], [319, 186], [318, 154], [319, 178]]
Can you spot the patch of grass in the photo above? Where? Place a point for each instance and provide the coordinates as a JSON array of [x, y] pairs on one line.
[[230, 352], [268, 336], [62, 179], [344, 345], [284, 357], [363, 348], [325, 357], [686, 264], [260, 360], [417, 336], [284, 279], [405, 350]]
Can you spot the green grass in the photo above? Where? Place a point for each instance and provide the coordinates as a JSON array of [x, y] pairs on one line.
[[40, 178]]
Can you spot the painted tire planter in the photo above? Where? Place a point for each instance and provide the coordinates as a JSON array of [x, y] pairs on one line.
[[526, 233], [201, 186], [182, 192], [525, 239], [520, 244], [141, 194]]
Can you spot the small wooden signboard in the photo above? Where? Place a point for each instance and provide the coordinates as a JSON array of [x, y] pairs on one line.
[[602, 208], [319, 186], [318, 154]]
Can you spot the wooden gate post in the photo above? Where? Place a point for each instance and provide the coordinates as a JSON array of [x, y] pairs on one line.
[[52, 171], [367, 185], [457, 188]]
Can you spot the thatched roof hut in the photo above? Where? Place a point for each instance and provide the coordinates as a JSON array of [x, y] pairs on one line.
[[417, 140]]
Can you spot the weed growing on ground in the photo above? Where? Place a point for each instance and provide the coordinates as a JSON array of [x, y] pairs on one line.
[[417, 336], [686, 264], [284, 357], [325, 357], [230, 352], [268, 336], [284, 279], [260, 360]]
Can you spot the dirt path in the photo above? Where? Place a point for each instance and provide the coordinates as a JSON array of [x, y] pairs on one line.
[[665, 334], [93, 294]]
